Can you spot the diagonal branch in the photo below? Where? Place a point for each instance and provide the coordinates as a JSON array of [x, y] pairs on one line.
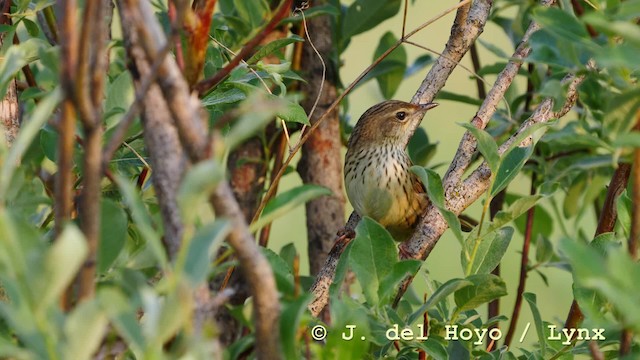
[[461, 196]]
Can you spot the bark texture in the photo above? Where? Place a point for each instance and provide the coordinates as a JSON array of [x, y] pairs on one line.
[[321, 161]]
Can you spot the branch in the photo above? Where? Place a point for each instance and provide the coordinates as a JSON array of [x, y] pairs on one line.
[[606, 223], [324, 279], [430, 229], [119, 133], [189, 122], [93, 63], [257, 271], [524, 264], [626, 338], [459, 197]]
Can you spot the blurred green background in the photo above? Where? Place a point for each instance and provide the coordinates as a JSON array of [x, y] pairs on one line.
[[442, 126]]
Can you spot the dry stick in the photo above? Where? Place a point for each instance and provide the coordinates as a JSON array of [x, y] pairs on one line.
[[257, 271], [69, 58], [187, 117], [606, 223], [83, 101], [626, 338], [596, 354], [347, 90], [93, 23], [277, 165], [206, 85], [121, 130], [524, 263]]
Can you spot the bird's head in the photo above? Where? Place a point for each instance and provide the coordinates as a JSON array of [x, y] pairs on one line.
[[388, 122]]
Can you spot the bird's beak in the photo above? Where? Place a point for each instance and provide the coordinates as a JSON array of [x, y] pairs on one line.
[[428, 106]]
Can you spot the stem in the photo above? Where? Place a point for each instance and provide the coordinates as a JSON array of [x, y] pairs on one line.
[[626, 338], [607, 221], [475, 60], [476, 246], [524, 262]]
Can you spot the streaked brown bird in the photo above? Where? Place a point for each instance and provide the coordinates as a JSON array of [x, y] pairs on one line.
[[378, 181]]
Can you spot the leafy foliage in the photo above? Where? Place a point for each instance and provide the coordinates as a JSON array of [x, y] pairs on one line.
[[144, 303]]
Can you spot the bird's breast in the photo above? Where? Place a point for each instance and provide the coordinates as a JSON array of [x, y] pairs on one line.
[[379, 185]]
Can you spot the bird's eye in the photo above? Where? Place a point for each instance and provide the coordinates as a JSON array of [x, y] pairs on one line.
[[400, 115]]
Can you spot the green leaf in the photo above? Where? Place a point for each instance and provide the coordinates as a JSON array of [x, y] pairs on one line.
[[626, 29], [420, 149], [486, 287], [314, 11], [70, 249], [420, 63], [440, 294], [219, 97], [290, 323], [32, 27], [271, 47], [373, 255], [199, 181], [113, 232], [202, 247], [281, 271], [629, 139], [434, 348], [120, 93], [142, 220], [293, 112], [486, 145], [49, 143], [537, 319], [396, 62], [432, 182], [363, 15], [287, 201], [561, 24], [253, 12], [399, 272], [465, 99], [29, 130], [165, 315], [123, 317], [490, 251], [510, 166], [84, 330], [517, 208], [18, 56]]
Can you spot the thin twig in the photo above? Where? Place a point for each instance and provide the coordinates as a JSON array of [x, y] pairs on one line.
[[606, 223], [626, 338], [475, 61], [524, 264]]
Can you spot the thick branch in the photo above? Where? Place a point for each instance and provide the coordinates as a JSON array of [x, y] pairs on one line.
[[189, 122], [468, 25], [321, 161], [257, 271]]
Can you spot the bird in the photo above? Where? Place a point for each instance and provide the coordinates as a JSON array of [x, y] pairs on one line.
[[377, 175]]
